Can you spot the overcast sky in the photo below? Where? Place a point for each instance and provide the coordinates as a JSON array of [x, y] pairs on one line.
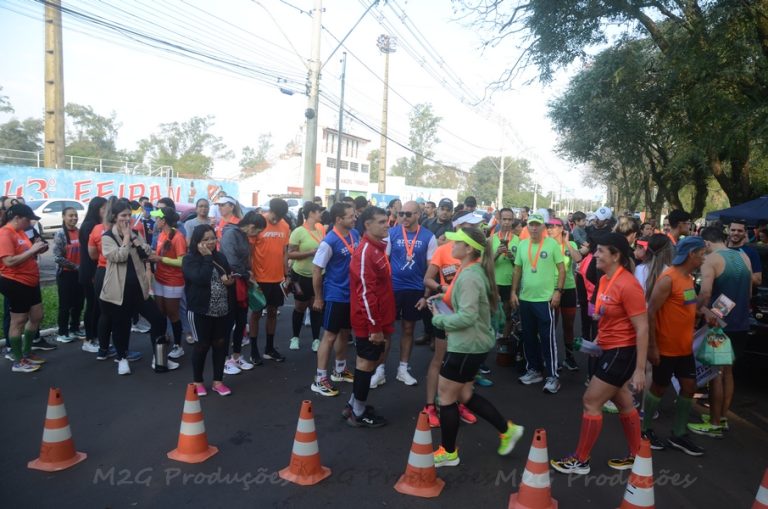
[[438, 60]]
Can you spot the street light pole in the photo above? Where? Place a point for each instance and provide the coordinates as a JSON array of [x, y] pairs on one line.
[[386, 45], [310, 146], [341, 126]]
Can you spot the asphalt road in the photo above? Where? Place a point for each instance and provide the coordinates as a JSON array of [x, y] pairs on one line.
[[127, 424]]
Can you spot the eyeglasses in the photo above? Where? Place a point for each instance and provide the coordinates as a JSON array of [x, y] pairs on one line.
[[405, 214]]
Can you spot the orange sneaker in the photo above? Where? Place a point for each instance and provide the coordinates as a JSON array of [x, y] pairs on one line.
[[465, 415], [434, 420]]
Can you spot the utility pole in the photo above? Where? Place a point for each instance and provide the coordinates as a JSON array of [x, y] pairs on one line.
[[386, 45], [500, 194], [341, 126], [310, 146], [535, 192], [53, 154]]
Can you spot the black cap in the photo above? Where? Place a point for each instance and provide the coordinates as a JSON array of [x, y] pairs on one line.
[[616, 240], [20, 210], [470, 201], [445, 202]]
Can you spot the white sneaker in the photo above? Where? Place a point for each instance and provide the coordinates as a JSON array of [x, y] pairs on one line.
[[243, 364], [230, 368], [65, 339], [246, 341], [315, 345], [379, 378], [123, 368], [140, 329], [90, 347], [552, 385], [168, 363], [176, 352], [404, 376], [294, 343], [531, 377]]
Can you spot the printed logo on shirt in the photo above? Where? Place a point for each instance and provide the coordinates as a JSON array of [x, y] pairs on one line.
[[544, 254], [449, 272], [268, 235], [689, 296]]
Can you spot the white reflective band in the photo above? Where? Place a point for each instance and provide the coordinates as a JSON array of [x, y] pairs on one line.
[[539, 455], [536, 480], [422, 437], [421, 460], [192, 407], [192, 428], [641, 497], [762, 495], [56, 435], [55, 412], [305, 448], [642, 466], [306, 425]]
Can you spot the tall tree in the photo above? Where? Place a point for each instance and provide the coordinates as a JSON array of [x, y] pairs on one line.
[[5, 103], [373, 160], [89, 134], [423, 137], [483, 181], [255, 160], [25, 135]]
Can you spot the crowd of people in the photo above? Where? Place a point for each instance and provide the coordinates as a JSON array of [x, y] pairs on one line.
[[471, 278]]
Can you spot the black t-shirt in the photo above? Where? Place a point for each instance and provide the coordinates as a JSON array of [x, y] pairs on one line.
[[437, 228]]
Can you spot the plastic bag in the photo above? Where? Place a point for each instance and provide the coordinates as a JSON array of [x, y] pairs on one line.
[[716, 349], [498, 318], [256, 299]]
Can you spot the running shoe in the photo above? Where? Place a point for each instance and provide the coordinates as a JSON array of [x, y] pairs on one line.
[[610, 407], [621, 463], [570, 465], [294, 343], [140, 329], [34, 359], [221, 389], [246, 341], [685, 444], [243, 364], [42, 344], [552, 385], [78, 334], [23, 366], [133, 356], [642, 414], [531, 377], [485, 370], [103, 355], [61, 338], [570, 364], [8, 354], [90, 347], [404, 376], [200, 390], [324, 387], [444, 458], [274, 355], [315, 345], [706, 429], [432, 417], [379, 378], [723, 421], [231, 368], [168, 363], [176, 352], [347, 411], [482, 381], [466, 415], [509, 438], [367, 420], [123, 368], [344, 376], [656, 443], [256, 360]]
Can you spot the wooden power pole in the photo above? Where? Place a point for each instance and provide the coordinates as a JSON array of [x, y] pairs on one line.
[[53, 154], [386, 45]]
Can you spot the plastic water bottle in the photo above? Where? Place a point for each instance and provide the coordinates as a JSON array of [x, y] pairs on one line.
[[588, 347]]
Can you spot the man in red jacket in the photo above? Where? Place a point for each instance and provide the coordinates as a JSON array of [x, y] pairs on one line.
[[372, 306]]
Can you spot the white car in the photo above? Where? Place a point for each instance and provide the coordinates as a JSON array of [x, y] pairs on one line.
[[49, 212]]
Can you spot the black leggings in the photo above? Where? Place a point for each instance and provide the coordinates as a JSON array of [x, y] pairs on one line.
[[240, 320], [70, 301], [92, 311], [210, 332], [120, 318]]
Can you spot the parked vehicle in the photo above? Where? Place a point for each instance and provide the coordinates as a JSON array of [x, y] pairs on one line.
[[49, 212]]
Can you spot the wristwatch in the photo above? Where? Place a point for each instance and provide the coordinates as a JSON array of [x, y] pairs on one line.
[[559, 290]]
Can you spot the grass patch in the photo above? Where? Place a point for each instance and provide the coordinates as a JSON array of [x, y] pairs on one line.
[[50, 307]]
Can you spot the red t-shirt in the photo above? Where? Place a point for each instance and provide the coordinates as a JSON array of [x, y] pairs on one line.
[[73, 247], [165, 274], [94, 240], [623, 300], [14, 243]]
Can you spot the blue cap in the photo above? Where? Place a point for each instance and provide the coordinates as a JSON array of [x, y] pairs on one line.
[[685, 246]]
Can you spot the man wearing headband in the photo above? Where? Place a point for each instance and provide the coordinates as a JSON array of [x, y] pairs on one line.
[[540, 276]]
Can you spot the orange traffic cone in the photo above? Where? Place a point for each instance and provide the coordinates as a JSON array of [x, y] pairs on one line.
[[57, 451], [761, 500], [639, 493], [305, 468], [535, 491], [193, 442], [420, 477]]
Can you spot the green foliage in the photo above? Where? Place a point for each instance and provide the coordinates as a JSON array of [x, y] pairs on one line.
[[252, 158], [89, 134], [483, 181], [373, 160], [21, 135], [5, 103]]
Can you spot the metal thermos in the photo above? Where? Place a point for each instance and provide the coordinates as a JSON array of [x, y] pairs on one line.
[[161, 355]]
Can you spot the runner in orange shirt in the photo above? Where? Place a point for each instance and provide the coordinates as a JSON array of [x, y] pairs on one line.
[[230, 213]]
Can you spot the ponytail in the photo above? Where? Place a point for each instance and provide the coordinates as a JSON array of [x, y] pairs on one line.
[[489, 265]]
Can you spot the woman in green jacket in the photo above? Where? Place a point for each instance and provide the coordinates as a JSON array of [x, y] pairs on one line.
[[465, 315]]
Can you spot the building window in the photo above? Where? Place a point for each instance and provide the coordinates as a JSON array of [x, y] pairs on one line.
[[364, 168], [344, 164], [346, 147], [331, 162], [354, 166]]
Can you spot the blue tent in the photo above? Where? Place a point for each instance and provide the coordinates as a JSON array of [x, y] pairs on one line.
[[754, 212]]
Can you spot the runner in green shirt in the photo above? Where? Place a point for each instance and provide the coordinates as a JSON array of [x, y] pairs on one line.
[[504, 245]]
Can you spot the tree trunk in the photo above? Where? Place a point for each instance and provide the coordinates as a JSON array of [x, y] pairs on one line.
[[700, 192], [736, 185]]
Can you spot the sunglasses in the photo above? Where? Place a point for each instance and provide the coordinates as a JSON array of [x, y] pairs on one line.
[[405, 214]]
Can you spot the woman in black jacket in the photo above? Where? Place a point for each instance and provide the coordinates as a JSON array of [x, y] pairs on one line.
[[210, 291], [97, 208]]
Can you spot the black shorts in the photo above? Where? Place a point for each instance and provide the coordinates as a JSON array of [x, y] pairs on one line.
[[439, 333], [405, 305], [505, 292], [336, 316], [739, 343], [568, 298], [616, 365], [461, 367], [682, 367], [20, 297], [367, 350], [273, 294], [304, 283]]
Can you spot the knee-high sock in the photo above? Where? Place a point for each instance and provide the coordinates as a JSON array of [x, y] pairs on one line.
[[176, 328], [631, 424], [315, 321], [297, 320], [449, 426], [650, 405], [362, 385], [591, 425], [26, 343], [487, 411], [682, 409]]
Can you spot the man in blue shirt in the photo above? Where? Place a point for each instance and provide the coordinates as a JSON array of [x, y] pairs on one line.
[[332, 296], [410, 248]]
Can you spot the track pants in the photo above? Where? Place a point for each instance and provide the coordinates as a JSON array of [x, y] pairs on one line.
[[539, 338]]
